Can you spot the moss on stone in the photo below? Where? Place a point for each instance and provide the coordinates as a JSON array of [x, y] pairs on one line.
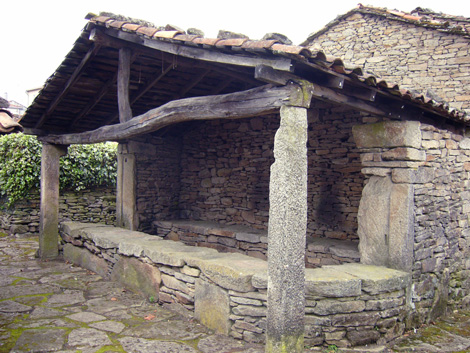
[[286, 344]]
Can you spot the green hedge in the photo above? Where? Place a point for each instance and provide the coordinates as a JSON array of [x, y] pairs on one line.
[[84, 166]]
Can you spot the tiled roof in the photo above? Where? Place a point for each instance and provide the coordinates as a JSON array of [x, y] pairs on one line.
[[273, 46], [200, 66], [422, 17]]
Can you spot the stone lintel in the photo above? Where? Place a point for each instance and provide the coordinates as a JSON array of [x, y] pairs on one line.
[[388, 134], [421, 175]]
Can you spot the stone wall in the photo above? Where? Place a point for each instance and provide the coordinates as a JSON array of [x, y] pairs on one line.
[[346, 305], [417, 58], [423, 172], [223, 173], [94, 206]]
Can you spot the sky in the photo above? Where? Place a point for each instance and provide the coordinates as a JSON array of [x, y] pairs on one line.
[[36, 35]]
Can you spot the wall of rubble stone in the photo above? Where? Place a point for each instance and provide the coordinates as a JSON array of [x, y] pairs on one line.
[[346, 305], [224, 173], [415, 57], [94, 206], [433, 165]]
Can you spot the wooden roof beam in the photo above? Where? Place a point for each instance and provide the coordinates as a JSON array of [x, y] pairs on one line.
[[253, 102], [70, 82]]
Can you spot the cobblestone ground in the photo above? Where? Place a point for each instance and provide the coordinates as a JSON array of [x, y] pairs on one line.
[[56, 307]]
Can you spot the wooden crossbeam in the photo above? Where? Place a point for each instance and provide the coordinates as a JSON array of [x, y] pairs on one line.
[[253, 102]]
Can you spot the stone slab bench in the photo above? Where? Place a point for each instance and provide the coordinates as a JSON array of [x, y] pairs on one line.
[[346, 305], [252, 242]]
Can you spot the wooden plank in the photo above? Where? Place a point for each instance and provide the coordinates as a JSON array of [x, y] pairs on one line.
[[70, 82], [237, 105], [279, 63], [123, 79]]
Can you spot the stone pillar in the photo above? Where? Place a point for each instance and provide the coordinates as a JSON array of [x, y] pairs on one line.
[[126, 212], [49, 216], [287, 233]]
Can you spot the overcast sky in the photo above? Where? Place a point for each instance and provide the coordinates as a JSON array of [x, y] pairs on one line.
[[36, 35]]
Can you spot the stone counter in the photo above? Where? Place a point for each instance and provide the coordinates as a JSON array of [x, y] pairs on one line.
[[346, 305]]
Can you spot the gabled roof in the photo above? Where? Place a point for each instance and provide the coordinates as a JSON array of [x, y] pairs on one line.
[[169, 64], [421, 17]]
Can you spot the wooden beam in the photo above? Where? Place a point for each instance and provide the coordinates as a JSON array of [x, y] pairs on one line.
[[193, 52], [268, 74], [192, 83], [237, 105], [142, 91], [123, 79], [70, 82]]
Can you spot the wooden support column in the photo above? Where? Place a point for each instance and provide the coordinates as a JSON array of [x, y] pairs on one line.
[[126, 210], [124, 74], [287, 233], [49, 216]]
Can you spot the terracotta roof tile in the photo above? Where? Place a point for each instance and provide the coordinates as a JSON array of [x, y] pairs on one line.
[[130, 27], [102, 19], [292, 49], [259, 44], [207, 41], [233, 42], [116, 24], [186, 37], [167, 34], [147, 31]]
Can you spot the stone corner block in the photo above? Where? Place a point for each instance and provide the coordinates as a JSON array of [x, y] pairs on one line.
[[212, 306], [388, 134], [83, 258], [421, 175]]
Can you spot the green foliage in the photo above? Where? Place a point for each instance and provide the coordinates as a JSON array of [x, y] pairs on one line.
[[84, 166]]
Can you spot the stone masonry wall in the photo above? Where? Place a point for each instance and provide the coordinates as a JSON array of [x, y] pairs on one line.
[[346, 305], [225, 172], [430, 166], [94, 206], [415, 57]]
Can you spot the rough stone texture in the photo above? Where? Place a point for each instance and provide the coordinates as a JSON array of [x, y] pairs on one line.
[[374, 221], [84, 258], [388, 134], [427, 60], [287, 232], [94, 206], [338, 298], [212, 307], [137, 276]]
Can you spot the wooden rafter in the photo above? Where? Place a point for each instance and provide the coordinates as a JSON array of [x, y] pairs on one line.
[[70, 82], [237, 105], [191, 84]]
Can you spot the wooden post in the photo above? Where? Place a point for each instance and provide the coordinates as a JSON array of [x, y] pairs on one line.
[[287, 233], [124, 74], [126, 212], [49, 216]]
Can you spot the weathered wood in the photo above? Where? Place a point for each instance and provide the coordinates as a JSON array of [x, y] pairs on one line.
[[237, 105], [268, 74], [123, 79], [70, 82], [278, 63]]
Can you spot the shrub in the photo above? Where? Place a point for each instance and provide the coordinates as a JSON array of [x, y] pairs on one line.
[[83, 166]]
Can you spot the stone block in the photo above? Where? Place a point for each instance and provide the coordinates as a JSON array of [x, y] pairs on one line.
[[85, 259], [212, 306], [137, 276], [404, 154], [332, 306], [388, 134], [331, 283], [421, 175]]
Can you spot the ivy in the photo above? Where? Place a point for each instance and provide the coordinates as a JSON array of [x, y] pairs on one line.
[[83, 166]]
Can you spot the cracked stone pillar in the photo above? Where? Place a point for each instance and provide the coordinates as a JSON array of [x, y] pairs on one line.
[[49, 216], [126, 209], [286, 234]]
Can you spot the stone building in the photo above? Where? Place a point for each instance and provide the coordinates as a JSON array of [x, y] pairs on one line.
[[233, 151], [422, 51]]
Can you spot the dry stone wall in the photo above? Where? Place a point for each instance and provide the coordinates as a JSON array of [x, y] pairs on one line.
[[346, 305], [418, 58], [428, 165], [94, 206]]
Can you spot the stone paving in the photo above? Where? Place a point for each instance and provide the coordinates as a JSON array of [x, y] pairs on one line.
[[56, 307]]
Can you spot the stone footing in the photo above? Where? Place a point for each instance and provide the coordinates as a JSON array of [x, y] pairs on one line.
[[346, 305]]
